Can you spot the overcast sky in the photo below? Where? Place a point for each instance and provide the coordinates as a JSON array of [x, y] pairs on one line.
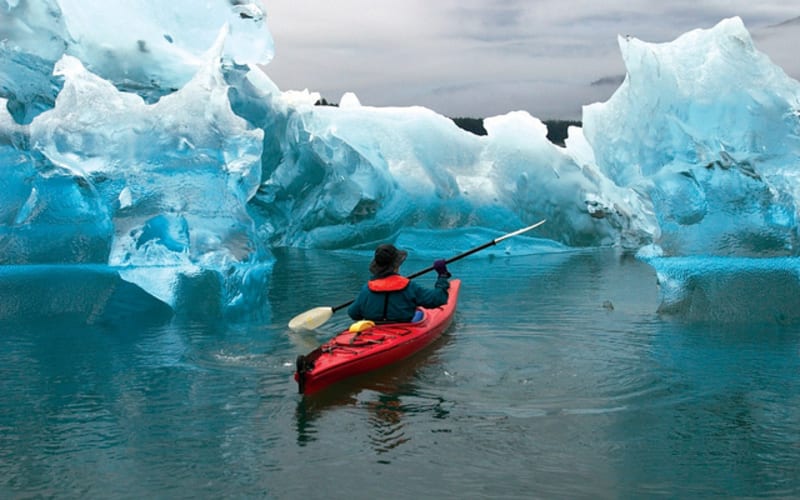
[[482, 58]]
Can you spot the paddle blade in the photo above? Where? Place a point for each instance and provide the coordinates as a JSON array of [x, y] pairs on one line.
[[311, 319]]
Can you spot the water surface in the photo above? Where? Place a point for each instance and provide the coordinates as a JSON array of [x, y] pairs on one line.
[[557, 380]]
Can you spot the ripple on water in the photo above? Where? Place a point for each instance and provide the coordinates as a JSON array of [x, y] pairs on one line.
[[537, 391]]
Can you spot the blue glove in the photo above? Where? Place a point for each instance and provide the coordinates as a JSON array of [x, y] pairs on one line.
[[441, 267]]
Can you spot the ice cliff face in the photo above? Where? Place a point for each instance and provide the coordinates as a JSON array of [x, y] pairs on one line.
[[167, 147]]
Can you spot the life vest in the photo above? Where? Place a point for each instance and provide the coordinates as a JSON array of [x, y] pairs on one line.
[[391, 283]]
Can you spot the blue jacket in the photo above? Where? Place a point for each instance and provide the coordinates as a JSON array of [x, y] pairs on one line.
[[396, 298]]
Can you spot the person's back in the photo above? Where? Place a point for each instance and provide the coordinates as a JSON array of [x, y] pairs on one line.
[[390, 297]]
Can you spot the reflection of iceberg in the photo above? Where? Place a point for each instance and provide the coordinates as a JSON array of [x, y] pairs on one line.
[[89, 293], [168, 153], [730, 290]]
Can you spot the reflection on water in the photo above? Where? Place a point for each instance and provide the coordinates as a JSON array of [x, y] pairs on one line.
[[558, 379], [380, 392]]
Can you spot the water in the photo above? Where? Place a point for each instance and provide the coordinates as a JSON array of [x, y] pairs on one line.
[[557, 380]]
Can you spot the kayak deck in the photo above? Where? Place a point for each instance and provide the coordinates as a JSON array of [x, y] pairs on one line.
[[349, 354]]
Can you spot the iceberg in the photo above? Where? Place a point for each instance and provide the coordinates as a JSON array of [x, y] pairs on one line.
[[158, 190], [146, 47], [717, 160], [166, 153]]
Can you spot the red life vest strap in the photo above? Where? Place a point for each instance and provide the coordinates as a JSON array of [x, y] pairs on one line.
[[391, 283]]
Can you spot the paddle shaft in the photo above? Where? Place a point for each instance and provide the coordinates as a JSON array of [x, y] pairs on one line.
[[460, 256]]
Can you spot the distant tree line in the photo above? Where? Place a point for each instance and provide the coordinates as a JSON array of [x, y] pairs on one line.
[[556, 129], [474, 125]]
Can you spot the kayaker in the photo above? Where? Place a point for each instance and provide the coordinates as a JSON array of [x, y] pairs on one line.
[[390, 297]]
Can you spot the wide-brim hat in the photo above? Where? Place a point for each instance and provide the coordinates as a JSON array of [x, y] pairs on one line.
[[386, 260]]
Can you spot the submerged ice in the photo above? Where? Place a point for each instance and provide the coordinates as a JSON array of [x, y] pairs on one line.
[[167, 153]]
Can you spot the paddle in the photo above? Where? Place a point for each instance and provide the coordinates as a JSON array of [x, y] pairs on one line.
[[319, 315]]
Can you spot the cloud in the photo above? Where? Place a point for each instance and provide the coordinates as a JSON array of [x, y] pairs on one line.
[[615, 81], [478, 58]]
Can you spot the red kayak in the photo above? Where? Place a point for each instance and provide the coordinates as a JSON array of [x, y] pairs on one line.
[[354, 353]]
